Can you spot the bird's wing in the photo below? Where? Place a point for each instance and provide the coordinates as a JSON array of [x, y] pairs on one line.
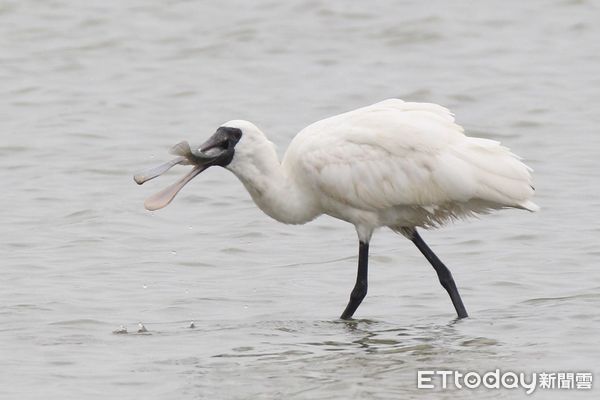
[[378, 156], [396, 153]]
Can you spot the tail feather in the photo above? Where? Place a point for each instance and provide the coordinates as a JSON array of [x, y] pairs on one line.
[[530, 206], [501, 176]]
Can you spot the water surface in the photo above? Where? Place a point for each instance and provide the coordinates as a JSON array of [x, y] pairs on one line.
[[92, 91]]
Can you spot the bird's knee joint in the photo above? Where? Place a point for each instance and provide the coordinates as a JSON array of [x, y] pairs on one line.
[[446, 279], [359, 292]]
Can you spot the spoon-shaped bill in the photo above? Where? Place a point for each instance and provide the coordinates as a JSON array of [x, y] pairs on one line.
[[158, 170], [165, 196]]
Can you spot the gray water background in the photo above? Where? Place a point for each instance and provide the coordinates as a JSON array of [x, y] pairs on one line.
[[90, 92]]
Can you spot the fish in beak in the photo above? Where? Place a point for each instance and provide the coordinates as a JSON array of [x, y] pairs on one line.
[[217, 150]]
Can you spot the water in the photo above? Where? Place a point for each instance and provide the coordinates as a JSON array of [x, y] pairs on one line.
[[93, 91]]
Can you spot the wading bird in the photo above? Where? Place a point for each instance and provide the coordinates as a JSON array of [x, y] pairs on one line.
[[397, 164]]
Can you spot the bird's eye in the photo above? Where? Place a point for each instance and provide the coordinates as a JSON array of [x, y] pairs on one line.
[[237, 135]]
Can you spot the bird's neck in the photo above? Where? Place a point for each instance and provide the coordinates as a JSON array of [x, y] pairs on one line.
[[275, 189]]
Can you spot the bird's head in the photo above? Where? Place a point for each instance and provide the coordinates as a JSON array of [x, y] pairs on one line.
[[234, 144]]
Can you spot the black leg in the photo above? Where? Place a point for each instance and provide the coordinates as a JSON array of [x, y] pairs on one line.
[[360, 288], [443, 274]]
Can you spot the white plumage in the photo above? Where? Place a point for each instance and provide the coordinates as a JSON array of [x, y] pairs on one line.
[[397, 164]]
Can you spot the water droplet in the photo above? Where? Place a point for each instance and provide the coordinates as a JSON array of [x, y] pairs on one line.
[[122, 330]]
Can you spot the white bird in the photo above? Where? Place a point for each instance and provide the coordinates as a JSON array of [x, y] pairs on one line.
[[395, 164]]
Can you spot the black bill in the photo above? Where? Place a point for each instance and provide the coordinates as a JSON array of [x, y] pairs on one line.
[[217, 150]]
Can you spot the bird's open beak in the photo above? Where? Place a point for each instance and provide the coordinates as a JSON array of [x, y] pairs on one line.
[[213, 152]]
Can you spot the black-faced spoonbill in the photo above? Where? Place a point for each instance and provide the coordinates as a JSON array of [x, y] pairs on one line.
[[397, 164]]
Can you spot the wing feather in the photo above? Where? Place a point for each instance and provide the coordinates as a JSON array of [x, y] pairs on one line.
[[402, 154]]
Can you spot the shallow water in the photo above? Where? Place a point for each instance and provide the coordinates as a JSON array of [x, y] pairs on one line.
[[92, 92]]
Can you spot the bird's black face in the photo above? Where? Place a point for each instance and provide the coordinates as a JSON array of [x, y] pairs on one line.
[[218, 150], [222, 145]]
